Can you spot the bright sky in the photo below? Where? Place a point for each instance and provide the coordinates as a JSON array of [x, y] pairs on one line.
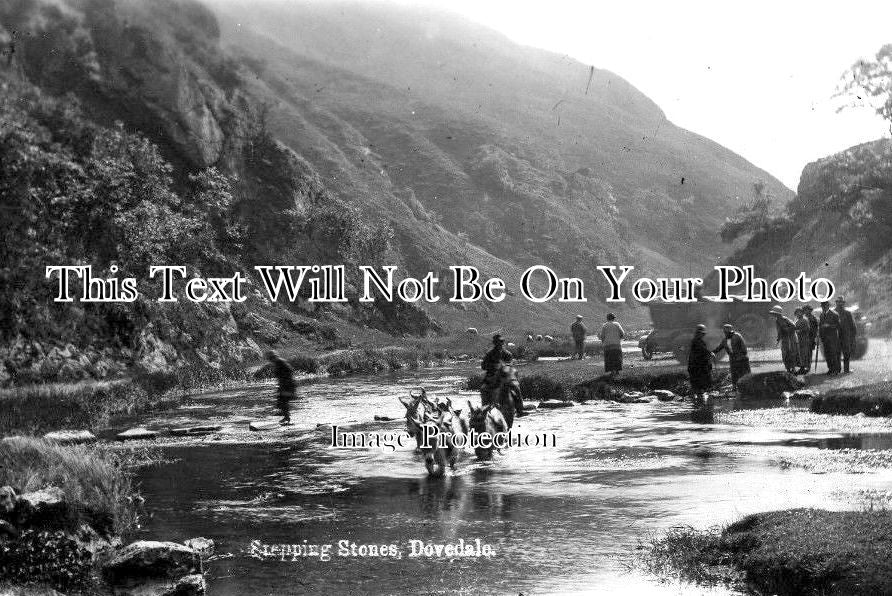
[[756, 76]]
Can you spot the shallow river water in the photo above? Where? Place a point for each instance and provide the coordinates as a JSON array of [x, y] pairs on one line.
[[561, 520]]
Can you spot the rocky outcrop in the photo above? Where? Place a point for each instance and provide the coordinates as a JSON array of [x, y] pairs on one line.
[[154, 568]]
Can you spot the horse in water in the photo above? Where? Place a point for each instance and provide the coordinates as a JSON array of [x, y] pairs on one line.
[[504, 392], [486, 419], [421, 411], [418, 405]]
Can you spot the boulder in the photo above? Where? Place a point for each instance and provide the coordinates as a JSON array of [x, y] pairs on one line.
[[552, 404], [529, 407], [203, 546], [803, 394], [664, 394], [42, 508], [189, 585], [7, 530], [151, 559], [768, 385], [7, 500], [136, 433], [70, 437]]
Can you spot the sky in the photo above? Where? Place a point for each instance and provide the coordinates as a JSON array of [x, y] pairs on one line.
[[757, 77]]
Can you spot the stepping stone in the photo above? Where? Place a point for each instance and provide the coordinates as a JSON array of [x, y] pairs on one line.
[[552, 404], [259, 425], [70, 437], [195, 430], [136, 433], [529, 407], [664, 394], [383, 418]]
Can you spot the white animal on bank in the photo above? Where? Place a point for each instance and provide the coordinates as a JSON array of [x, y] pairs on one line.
[[472, 331], [549, 339]]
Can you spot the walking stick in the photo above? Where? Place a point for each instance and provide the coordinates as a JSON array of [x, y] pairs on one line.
[[817, 346]]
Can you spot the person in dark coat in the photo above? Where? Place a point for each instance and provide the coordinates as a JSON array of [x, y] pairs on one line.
[[700, 363], [828, 332], [285, 392], [803, 338], [786, 336], [847, 332], [735, 346], [579, 332], [491, 362], [813, 337]]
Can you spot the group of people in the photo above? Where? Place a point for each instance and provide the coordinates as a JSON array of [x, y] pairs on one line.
[[834, 330]]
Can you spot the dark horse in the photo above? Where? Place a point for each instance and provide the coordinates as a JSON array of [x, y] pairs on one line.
[[504, 392]]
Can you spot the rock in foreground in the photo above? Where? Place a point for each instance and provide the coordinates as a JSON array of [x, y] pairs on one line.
[[768, 385]]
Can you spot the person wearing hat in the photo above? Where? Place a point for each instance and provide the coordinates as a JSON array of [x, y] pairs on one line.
[[828, 333], [847, 332], [700, 363], [285, 392], [492, 361], [735, 346], [786, 336], [611, 337], [804, 339], [579, 332]]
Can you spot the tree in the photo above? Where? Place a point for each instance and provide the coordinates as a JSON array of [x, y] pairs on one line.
[[869, 83]]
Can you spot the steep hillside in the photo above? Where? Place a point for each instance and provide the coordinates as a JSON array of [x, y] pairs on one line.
[[322, 133], [839, 226], [449, 109]]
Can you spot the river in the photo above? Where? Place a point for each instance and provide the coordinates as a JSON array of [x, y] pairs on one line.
[[561, 520]]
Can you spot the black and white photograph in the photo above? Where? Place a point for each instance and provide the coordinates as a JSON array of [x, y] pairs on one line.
[[438, 297]]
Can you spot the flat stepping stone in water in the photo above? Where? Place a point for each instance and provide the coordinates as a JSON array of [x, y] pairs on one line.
[[553, 404], [528, 407], [803, 394], [664, 394], [136, 433], [195, 430], [70, 437], [259, 425], [383, 418]]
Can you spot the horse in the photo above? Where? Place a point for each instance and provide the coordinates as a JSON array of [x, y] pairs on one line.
[[486, 419], [502, 393], [417, 405], [441, 450]]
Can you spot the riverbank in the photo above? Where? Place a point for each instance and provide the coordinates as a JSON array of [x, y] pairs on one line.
[[791, 552], [41, 408]]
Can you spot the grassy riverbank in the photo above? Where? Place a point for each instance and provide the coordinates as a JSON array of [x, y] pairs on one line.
[[872, 400], [793, 552], [87, 501]]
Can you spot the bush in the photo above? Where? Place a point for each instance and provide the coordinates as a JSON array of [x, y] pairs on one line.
[[94, 481], [793, 552], [871, 400], [304, 363], [52, 558], [541, 388]]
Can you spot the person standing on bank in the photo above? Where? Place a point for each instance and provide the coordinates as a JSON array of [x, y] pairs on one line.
[[804, 339], [828, 328], [735, 346], [847, 332], [815, 328], [611, 337], [579, 332], [285, 393], [786, 335], [700, 364]]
